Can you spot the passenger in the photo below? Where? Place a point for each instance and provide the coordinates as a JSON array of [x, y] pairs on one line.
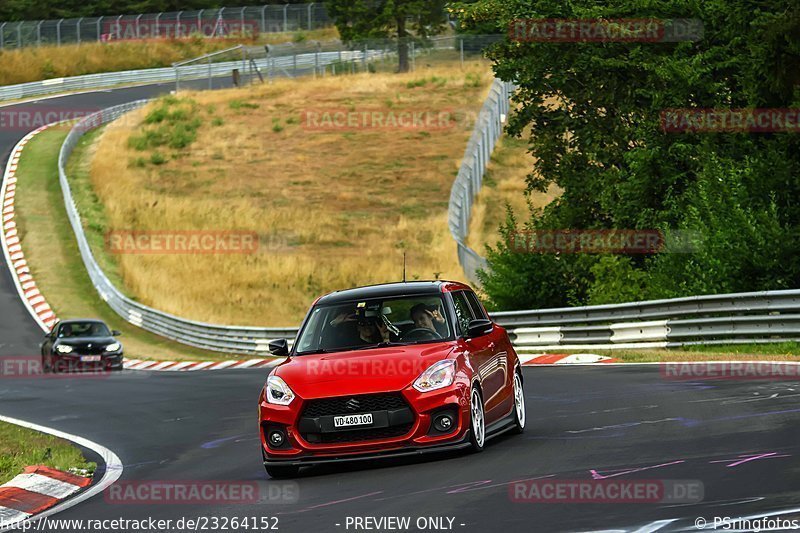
[[427, 317]]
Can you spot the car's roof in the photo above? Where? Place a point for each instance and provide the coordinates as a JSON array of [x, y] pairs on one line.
[[386, 290], [82, 320]]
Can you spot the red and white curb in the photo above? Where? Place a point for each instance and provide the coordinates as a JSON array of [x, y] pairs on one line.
[[12, 248], [29, 497], [38, 488], [564, 359], [191, 366]]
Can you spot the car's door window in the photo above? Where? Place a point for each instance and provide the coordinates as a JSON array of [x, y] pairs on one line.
[[463, 310], [477, 308]]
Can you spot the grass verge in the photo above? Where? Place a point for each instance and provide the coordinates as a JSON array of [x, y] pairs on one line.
[[334, 205], [54, 259], [21, 447]]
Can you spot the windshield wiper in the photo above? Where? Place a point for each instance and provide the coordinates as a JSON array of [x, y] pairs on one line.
[[313, 352]]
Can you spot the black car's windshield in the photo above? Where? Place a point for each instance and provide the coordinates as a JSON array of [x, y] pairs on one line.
[[83, 329], [377, 322]]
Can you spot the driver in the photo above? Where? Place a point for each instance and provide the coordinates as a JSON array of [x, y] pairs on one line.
[[427, 317]]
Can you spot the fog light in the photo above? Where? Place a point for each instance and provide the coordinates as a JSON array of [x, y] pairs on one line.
[[276, 439], [443, 423]]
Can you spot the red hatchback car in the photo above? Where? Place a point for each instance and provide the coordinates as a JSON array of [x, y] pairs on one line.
[[389, 370]]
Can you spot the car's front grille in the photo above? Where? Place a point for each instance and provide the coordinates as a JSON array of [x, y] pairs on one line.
[[359, 435], [345, 405]]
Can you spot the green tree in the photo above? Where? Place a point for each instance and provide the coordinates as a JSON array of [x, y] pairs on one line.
[[380, 19], [594, 112]]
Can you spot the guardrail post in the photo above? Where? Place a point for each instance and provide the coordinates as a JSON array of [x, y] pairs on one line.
[[210, 83]]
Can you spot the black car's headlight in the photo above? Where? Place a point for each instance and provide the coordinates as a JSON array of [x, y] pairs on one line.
[[63, 348], [113, 347]]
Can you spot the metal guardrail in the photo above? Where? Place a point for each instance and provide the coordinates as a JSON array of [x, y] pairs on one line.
[[754, 317], [207, 22], [301, 62], [488, 129]]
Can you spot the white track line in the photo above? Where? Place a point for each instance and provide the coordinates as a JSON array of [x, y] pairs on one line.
[[113, 471]]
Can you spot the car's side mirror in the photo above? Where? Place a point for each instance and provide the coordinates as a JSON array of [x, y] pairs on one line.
[[279, 347], [479, 328], [116, 333]]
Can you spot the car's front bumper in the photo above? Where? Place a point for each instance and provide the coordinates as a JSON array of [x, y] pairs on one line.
[[419, 438], [73, 363], [368, 456]]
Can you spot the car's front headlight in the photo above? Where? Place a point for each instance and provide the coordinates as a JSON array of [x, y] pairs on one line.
[[63, 348], [278, 392], [113, 347], [437, 376]]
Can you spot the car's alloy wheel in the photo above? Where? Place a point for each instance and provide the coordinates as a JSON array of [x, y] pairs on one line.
[[519, 403], [477, 421]]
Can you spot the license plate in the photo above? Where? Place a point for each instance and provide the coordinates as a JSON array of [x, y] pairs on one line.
[[90, 358], [352, 420]]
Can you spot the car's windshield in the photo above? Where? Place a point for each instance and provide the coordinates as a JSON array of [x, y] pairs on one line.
[[368, 323], [83, 329]]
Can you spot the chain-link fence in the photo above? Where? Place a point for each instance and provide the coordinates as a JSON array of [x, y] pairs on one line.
[[222, 22]]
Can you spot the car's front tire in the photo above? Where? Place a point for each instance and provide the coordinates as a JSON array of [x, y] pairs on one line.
[[477, 426], [519, 403], [45, 366]]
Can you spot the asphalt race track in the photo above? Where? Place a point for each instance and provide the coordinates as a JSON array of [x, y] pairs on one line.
[[738, 438], [202, 426]]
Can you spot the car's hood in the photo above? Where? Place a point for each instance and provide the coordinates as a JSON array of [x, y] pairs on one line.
[[82, 341], [360, 371]]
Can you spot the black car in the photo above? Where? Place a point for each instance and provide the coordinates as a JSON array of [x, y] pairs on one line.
[[84, 344]]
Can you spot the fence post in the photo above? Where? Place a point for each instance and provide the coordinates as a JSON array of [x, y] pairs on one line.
[[39, 33], [19, 35], [310, 8], [99, 30], [413, 57], [241, 18], [200, 20], [263, 19], [462, 53], [2, 35], [58, 32], [78, 30], [210, 83], [158, 25], [138, 33], [286, 18], [178, 30]]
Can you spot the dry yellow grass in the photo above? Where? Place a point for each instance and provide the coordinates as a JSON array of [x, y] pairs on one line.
[[39, 63], [504, 185], [333, 209]]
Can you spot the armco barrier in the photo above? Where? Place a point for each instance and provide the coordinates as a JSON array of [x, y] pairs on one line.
[[488, 129], [168, 74]]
